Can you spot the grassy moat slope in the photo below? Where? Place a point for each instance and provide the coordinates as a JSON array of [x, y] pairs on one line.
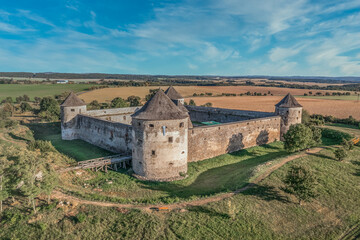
[[261, 212]]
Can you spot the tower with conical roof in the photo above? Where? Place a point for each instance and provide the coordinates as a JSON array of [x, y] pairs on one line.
[[70, 108], [178, 100], [160, 140], [290, 111]]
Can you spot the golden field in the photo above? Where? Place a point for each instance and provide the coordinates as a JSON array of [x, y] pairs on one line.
[[336, 108], [107, 94]]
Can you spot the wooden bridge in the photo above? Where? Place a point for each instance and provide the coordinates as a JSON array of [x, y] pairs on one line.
[[104, 163]]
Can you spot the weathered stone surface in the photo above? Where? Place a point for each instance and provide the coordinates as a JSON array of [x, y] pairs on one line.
[[210, 141]]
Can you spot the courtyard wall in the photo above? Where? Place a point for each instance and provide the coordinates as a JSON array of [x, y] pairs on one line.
[[210, 141]]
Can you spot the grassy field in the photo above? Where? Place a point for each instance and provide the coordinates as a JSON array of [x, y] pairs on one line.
[[39, 90], [77, 149], [344, 97], [262, 212]]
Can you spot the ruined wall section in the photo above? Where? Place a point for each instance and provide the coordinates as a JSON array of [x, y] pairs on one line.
[[210, 141], [112, 136], [222, 115]]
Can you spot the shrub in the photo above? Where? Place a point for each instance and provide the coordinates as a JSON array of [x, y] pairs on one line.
[[298, 137], [43, 146], [81, 217], [340, 153], [334, 134], [8, 123]]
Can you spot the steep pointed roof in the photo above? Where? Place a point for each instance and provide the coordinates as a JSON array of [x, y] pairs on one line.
[[288, 102], [72, 101], [160, 107], [173, 94]]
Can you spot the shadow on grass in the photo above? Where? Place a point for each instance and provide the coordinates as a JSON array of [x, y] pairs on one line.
[[357, 163], [321, 156], [208, 211], [13, 136], [218, 179], [77, 149], [266, 192]]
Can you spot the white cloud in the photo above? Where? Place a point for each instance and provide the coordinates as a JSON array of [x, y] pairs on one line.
[[6, 27], [279, 54], [34, 17]]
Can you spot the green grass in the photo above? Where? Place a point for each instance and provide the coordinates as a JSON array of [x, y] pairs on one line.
[[39, 90], [343, 97], [262, 212], [77, 149], [350, 129]]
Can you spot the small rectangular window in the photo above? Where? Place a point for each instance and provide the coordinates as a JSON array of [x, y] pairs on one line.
[[151, 125], [73, 110], [139, 124], [182, 124], [170, 139], [153, 152]]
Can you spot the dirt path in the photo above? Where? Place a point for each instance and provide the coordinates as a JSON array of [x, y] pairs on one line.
[[62, 196]]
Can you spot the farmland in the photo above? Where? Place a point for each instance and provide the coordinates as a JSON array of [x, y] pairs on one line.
[[108, 94], [39, 90], [327, 105], [336, 108]]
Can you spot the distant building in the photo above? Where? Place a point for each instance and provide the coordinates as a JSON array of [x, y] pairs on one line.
[[62, 81]]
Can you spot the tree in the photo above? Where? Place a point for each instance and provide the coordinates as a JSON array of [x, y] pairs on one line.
[[301, 183], [19, 99], [37, 99], [134, 101], [152, 93], [94, 105], [4, 192], [50, 181], [209, 104], [49, 109], [26, 98], [192, 102], [316, 135], [298, 137], [24, 106], [7, 100], [347, 145], [340, 153], [305, 117], [119, 103]]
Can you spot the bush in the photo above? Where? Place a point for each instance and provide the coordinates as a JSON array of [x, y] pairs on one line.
[[341, 153], [334, 134], [298, 137], [43, 146], [81, 217], [8, 123]]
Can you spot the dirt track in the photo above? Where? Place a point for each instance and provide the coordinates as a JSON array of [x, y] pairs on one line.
[[61, 196]]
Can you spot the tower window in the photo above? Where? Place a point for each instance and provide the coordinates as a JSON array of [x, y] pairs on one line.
[[151, 125], [124, 117], [170, 139], [73, 110], [182, 124], [139, 124], [153, 152]]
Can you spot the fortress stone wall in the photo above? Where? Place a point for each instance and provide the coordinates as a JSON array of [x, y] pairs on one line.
[[211, 141], [160, 135]]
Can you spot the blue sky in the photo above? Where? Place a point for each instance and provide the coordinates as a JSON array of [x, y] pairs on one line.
[[215, 37]]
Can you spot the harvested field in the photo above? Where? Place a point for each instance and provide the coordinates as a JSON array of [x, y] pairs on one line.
[[336, 108], [108, 94]]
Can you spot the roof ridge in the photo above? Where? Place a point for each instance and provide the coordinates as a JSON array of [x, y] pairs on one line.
[[72, 100], [288, 101], [160, 107], [173, 94]]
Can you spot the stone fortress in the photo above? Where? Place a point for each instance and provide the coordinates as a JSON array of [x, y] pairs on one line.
[[164, 135]]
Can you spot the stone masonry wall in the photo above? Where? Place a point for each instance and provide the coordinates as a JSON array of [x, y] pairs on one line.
[[209, 141], [112, 136], [222, 115], [121, 115]]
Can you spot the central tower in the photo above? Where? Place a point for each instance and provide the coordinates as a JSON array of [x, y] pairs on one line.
[[160, 140]]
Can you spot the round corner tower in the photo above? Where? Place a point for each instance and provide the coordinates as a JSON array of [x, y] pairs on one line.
[[70, 108], [160, 140], [290, 111]]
